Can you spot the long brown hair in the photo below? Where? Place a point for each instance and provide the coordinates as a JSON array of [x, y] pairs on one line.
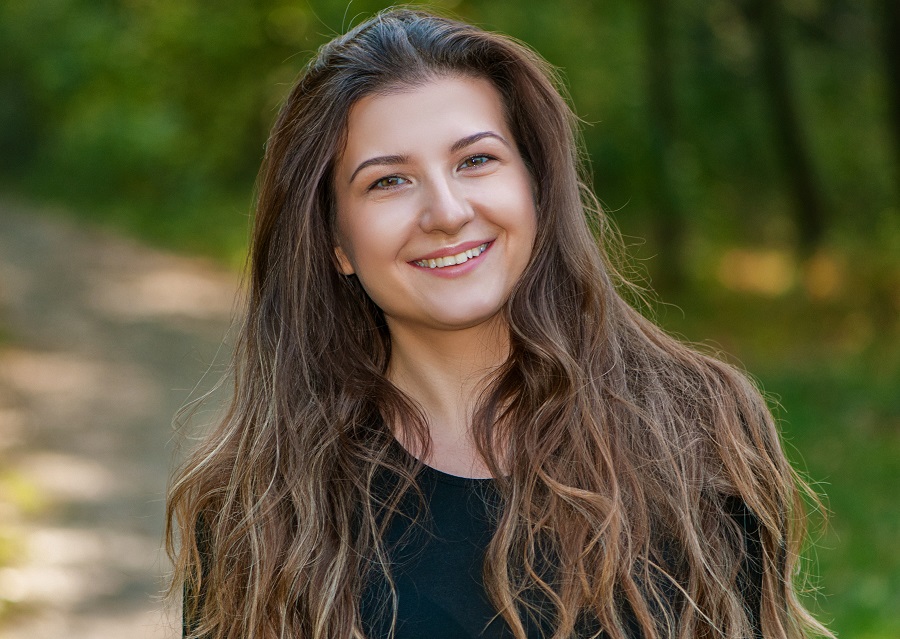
[[624, 451]]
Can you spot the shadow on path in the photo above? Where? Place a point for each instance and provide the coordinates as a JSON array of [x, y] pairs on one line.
[[101, 341]]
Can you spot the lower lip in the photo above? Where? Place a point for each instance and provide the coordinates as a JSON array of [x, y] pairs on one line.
[[457, 269]]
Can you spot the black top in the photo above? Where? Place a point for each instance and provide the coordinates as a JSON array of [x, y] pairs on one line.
[[436, 565]]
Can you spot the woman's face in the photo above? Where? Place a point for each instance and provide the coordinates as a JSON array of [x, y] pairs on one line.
[[435, 212]]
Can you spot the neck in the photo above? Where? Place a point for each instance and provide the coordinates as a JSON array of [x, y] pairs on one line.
[[444, 372]]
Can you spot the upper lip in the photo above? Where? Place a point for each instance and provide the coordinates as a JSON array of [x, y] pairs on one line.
[[452, 250]]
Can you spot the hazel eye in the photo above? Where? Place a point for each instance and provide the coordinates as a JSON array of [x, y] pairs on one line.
[[389, 182], [475, 161]]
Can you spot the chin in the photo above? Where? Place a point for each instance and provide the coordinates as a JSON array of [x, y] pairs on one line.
[[469, 320]]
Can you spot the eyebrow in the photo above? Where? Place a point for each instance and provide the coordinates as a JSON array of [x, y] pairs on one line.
[[459, 145], [381, 160], [462, 143]]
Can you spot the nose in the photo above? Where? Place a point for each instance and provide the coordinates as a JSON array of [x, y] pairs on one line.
[[444, 208]]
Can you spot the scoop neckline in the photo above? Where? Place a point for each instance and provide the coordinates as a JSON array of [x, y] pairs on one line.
[[456, 480], [440, 475]]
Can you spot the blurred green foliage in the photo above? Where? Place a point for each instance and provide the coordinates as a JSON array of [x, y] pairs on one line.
[[704, 119], [832, 373], [157, 110]]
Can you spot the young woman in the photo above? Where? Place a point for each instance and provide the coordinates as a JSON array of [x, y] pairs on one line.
[[446, 421]]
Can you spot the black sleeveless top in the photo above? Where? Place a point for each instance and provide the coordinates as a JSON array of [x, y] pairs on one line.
[[436, 565]]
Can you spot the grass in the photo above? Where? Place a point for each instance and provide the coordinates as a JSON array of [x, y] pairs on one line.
[[831, 367], [843, 426]]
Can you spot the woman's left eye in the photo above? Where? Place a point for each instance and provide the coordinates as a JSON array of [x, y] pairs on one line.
[[475, 161]]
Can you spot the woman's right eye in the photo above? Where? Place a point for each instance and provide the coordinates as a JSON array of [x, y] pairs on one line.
[[389, 182]]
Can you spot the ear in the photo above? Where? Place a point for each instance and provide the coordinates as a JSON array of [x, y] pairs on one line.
[[344, 264]]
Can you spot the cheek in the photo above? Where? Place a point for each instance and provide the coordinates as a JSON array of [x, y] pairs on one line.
[[523, 213], [529, 240], [530, 196], [343, 248], [527, 231], [372, 244]]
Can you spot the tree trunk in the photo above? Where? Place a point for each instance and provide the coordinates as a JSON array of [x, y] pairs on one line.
[[809, 208], [891, 36], [669, 219]]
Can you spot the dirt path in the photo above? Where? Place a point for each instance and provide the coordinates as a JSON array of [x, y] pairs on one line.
[[101, 341]]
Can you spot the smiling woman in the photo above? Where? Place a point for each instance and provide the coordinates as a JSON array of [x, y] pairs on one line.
[[447, 422], [456, 183], [438, 243]]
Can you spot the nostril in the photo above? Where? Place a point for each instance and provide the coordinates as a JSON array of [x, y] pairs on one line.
[[444, 208]]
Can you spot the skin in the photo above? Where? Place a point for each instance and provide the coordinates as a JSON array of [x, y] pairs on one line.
[[426, 172]]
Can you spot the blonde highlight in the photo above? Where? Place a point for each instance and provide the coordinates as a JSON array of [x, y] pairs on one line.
[[622, 457]]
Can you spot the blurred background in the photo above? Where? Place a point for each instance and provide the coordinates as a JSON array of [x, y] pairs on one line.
[[748, 150]]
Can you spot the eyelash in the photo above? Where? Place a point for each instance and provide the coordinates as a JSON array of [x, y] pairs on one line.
[[385, 188], [476, 156], [375, 184]]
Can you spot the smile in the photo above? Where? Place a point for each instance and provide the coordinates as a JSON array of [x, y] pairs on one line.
[[452, 260]]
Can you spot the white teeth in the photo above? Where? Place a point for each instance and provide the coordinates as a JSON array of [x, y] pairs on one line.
[[450, 260]]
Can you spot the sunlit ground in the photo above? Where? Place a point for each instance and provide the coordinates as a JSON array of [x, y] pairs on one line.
[[101, 342]]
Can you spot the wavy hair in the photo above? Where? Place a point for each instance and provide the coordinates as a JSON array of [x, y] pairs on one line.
[[622, 450]]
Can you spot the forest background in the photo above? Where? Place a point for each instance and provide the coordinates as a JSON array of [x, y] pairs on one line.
[[748, 150]]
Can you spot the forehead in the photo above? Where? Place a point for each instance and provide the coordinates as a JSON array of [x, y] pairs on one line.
[[435, 113]]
